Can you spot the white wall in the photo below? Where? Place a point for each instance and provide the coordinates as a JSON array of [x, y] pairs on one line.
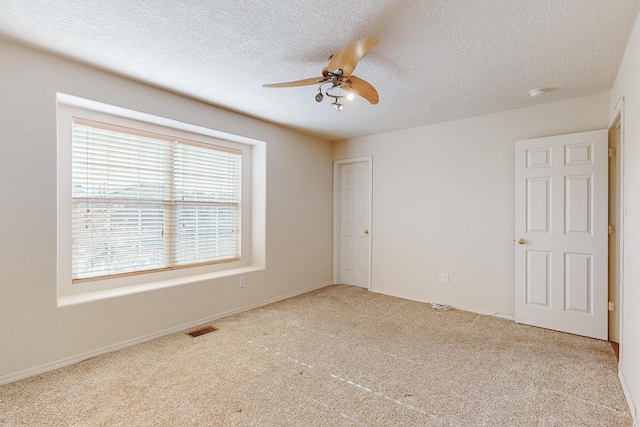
[[627, 85], [36, 335], [443, 198]]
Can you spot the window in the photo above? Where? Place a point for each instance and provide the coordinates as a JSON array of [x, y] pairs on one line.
[[144, 202], [147, 202]]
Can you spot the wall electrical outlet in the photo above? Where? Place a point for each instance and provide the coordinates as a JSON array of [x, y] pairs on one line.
[[445, 278], [243, 281]]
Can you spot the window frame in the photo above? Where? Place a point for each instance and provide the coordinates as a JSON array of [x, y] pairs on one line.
[[166, 146], [253, 203]]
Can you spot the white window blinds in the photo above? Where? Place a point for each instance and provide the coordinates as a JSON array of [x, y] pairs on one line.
[[148, 202]]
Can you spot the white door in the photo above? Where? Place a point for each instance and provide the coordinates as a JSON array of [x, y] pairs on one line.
[[355, 223], [561, 233]]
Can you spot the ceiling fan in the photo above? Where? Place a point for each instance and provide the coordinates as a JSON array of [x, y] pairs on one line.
[[337, 78]]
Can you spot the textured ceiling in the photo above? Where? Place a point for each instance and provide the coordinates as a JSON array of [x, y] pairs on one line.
[[436, 60]]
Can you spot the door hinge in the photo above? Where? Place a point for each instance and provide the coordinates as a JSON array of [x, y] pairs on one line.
[[612, 152], [612, 229], [612, 306]]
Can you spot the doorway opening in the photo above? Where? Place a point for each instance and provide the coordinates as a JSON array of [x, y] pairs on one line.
[[616, 224]]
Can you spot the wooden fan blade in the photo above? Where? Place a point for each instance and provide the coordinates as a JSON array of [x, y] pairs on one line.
[[305, 82], [364, 89], [347, 57]]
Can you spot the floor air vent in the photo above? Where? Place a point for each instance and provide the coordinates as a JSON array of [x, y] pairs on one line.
[[202, 331]]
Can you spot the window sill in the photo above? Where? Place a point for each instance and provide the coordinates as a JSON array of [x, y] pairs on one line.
[[69, 300]]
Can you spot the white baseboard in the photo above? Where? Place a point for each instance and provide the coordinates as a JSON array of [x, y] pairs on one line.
[[458, 307], [111, 348], [627, 395]]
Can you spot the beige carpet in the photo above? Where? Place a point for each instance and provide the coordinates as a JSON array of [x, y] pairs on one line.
[[339, 356]]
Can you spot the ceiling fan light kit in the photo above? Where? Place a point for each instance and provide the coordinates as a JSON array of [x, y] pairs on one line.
[[337, 80], [338, 89]]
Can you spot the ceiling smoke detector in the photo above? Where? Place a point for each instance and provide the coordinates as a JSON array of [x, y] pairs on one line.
[[537, 92]]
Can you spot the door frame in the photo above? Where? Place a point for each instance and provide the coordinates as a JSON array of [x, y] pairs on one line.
[[336, 213], [618, 121]]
